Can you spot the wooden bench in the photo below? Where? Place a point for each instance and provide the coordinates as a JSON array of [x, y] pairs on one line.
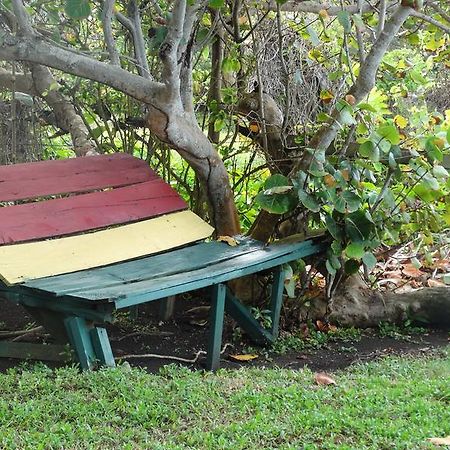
[[82, 238]]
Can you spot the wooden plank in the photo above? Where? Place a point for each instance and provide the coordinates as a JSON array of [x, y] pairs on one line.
[[156, 266], [28, 350], [216, 326], [245, 319], [80, 339], [37, 179], [33, 260], [128, 291], [39, 220]]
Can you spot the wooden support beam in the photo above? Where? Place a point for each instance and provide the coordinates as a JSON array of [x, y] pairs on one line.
[[166, 307], [276, 300], [216, 326], [102, 347], [28, 350], [80, 338], [242, 315]]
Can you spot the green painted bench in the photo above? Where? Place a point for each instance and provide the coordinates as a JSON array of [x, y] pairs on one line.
[[85, 237]]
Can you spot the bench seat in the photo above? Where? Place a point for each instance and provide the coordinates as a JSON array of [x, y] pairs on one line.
[[140, 244]]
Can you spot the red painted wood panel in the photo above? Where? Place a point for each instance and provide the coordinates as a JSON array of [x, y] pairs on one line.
[[31, 180], [57, 217]]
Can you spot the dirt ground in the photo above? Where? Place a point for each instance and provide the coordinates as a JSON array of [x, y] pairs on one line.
[[186, 334]]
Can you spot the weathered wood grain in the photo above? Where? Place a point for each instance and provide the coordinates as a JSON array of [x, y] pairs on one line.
[[33, 260], [58, 217], [185, 259], [44, 178], [188, 273]]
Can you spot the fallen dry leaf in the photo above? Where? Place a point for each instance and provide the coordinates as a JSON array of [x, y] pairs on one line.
[[241, 358], [440, 441], [323, 379], [441, 264], [410, 271], [231, 241], [435, 283]]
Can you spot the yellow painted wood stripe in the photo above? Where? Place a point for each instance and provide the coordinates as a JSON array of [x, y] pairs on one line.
[[33, 260]]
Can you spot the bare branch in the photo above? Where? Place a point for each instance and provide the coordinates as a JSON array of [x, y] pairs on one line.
[[429, 19], [18, 82], [359, 36], [107, 15], [168, 51], [134, 28], [66, 116], [36, 50], [315, 7], [440, 11], [22, 17], [138, 40], [381, 16]]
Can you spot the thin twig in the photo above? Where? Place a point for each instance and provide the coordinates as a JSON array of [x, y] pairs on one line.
[[174, 358]]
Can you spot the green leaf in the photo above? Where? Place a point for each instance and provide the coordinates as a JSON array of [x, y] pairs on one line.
[[77, 9], [230, 65], [219, 124], [308, 201], [417, 77], [390, 133], [440, 172], [359, 226], [330, 268], [276, 180], [216, 4], [358, 21], [344, 19], [276, 200], [392, 161], [351, 266], [333, 227], [369, 260], [353, 201], [276, 204], [355, 250], [433, 151], [448, 135], [315, 41], [369, 150], [367, 107]]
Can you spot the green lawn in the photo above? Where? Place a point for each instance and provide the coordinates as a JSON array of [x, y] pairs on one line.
[[395, 403]]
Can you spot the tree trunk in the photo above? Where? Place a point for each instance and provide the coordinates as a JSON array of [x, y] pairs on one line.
[[66, 117], [356, 305], [181, 132]]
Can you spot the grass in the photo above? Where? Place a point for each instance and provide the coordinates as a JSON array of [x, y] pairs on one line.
[[395, 403]]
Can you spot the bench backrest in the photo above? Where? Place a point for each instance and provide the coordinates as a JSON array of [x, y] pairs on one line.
[[129, 211]]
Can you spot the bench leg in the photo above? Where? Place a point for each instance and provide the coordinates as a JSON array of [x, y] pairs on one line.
[[276, 300], [91, 344], [102, 347], [166, 307], [216, 326]]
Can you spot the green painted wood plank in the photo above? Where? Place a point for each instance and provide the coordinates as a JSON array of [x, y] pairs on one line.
[[132, 292], [102, 347], [162, 265], [80, 339], [242, 315], [216, 326], [276, 300], [28, 350], [96, 311], [143, 292]]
